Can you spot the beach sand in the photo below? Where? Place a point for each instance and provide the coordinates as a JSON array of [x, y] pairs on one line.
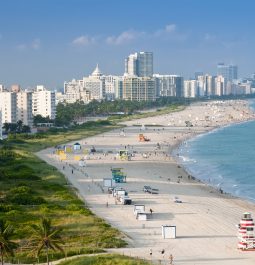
[[205, 220]]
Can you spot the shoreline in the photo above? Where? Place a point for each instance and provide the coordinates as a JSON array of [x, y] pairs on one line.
[[204, 244], [179, 162]]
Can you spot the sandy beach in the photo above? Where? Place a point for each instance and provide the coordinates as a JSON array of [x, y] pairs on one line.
[[205, 220]]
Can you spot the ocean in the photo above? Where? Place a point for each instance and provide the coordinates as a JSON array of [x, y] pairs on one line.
[[224, 158]]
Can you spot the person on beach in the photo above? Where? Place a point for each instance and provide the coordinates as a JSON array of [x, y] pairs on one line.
[[151, 211], [171, 259]]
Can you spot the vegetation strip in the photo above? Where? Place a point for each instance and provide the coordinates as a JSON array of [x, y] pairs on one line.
[[31, 190]]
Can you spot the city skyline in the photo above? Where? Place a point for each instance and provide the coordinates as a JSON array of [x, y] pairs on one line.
[[49, 42]]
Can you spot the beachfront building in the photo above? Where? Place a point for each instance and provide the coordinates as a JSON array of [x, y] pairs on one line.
[[206, 85], [119, 88], [112, 86], [139, 64], [2, 88], [95, 84], [238, 87], [8, 106], [24, 107], [92, 87], [190, 89], [44, 102], [1, 125], [73, 91], [139, 88], [220, 84], [169, 85]]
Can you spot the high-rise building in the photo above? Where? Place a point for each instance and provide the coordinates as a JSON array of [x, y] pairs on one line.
[[2, 88], [95, 84], [169, 85], [190, 88], [24, 108], [111, 86], [139, 88], [44, 102], [206, 85], [8, 105], [119, 88], [139, 64], [197, 74], [229, 72], [1, 125], [74, 91], [220, 85]]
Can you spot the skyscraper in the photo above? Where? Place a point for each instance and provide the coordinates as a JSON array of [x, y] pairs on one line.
[[229, 72], [139, 64]]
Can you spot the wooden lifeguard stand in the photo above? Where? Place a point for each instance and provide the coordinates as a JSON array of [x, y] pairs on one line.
[[143, 138]]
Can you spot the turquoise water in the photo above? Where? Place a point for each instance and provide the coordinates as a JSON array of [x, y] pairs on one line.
[[225, 158]]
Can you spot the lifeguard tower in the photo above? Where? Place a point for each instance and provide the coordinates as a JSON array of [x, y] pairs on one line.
[[246, 235], [143, 138], [118, 176], [124, 155]]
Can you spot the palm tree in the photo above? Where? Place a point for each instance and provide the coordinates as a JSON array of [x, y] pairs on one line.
[[6, 246], [45, 236]]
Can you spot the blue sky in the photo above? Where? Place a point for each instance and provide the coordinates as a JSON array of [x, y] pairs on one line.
[[49, 41]]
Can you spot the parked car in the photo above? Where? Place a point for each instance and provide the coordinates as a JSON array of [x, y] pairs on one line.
[[146, 188], [177, 200]]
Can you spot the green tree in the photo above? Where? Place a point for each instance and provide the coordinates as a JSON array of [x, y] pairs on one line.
[[19, 126], [6, 245], [40, 119], [6, 127], [26, 129], [45, 237]]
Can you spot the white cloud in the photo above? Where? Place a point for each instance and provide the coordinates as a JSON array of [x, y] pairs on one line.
[[21, 47], [124, 37], [36, 44], [83, 40], [170, 28], [209, 37]]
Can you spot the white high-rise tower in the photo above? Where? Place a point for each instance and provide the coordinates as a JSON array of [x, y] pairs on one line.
[[139, 64]]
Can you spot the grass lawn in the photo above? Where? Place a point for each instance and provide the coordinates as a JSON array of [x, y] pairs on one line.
[[105, 260]]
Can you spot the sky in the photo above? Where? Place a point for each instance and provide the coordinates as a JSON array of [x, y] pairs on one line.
[[51, 41]]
